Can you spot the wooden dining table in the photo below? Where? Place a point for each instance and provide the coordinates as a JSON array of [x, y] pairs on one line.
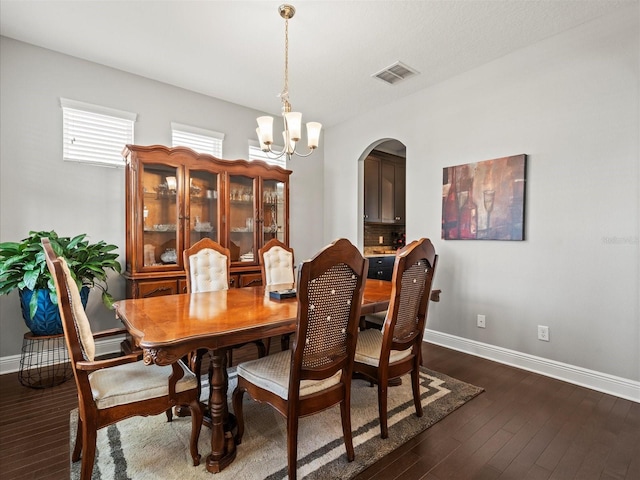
[[169, 327]]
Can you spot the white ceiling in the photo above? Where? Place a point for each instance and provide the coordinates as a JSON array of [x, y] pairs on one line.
[[234, 50]]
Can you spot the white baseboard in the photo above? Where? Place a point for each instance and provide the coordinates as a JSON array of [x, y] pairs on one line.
[[11, 363], [602, 382]]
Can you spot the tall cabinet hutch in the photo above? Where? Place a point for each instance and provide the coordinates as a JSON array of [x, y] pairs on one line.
[[175, 197]]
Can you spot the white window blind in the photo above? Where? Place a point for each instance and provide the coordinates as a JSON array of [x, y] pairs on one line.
[[255, 153], [95, 134], [198, 139]]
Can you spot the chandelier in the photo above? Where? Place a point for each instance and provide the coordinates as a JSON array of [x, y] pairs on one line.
[[292, 120]]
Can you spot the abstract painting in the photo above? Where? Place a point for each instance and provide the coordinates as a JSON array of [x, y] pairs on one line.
[[484, 200]]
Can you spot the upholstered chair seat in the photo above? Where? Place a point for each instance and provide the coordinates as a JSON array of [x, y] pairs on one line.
[[273, 372], [133, 382], [375, 320], [370, 348]]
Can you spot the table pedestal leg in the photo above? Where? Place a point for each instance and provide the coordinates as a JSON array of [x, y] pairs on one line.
[[223, 447]]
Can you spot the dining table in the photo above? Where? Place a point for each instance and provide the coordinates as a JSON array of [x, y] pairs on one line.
[[170, 327]]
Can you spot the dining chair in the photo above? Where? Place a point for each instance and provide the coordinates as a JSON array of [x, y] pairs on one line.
[[207, 265], [316, 373], [277, 267], [383, 355], [114, 389]]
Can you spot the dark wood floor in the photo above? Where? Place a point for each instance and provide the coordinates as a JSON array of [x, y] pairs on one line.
[[524, 426]]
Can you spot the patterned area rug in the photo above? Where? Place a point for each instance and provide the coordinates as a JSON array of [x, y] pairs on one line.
[[146, 448]]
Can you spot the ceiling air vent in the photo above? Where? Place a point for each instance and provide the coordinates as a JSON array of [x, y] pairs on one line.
[[395, 73]]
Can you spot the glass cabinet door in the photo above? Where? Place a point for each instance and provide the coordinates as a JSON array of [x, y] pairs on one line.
[[159, 214], [242, 219], [274, 209], [203, 204]]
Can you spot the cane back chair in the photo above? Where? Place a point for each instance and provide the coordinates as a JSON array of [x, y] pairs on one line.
[[118, 388], [316, 373], [382, 355]]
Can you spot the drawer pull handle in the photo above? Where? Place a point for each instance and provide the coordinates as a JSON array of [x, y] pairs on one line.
[[156, 290]]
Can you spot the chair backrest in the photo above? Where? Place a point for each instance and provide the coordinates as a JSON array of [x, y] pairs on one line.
[[276, 263], [207, 265], [330, 288], [413, 272], [77, 330]]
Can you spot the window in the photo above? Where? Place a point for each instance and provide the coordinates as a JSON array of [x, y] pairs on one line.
[[255, 153], [197, 139], [95, 134]]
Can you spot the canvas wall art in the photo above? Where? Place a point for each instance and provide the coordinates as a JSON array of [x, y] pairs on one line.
[[484, 200]]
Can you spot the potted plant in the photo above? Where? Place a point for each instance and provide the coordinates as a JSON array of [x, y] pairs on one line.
[[23, 267]]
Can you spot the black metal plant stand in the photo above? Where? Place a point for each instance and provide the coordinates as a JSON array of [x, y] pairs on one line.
[[44, 361]]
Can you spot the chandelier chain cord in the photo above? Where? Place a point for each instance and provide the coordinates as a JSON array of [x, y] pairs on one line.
[[285, 92]]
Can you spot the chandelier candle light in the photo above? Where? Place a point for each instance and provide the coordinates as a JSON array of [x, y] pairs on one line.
[[292, 120]]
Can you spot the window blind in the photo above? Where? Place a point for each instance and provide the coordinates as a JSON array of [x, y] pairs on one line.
[[197, 139], [95, 134]]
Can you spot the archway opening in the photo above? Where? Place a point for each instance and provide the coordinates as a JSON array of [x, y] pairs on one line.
[[383, 197]]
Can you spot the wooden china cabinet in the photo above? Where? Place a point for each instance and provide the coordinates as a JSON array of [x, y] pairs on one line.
[[175, 197]]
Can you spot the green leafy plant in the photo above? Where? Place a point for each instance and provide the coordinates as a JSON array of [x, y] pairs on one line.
[[23, 265]]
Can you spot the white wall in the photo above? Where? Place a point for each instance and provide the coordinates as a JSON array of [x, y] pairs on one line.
[[39, 191], [571, 104]]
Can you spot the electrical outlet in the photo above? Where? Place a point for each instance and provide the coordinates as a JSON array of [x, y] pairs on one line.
[[481, 321], [543, 333]]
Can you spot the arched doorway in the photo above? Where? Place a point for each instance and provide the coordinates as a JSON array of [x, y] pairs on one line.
[[382, 197]]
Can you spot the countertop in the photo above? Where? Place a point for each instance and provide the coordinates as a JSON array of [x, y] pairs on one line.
[[378, 252]]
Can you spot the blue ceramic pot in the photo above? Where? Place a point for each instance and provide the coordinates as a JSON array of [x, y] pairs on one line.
[[47, 318]]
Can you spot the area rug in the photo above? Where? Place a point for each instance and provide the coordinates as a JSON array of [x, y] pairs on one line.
[[150, 448]]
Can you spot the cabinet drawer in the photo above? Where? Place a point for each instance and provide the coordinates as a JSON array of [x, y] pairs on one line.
[[381, 273], [385, 262], [250, 280], [381, 268], [157, 288]]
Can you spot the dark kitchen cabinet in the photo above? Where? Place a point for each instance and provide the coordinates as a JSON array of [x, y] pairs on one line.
[[384, 188], [381, 267]]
